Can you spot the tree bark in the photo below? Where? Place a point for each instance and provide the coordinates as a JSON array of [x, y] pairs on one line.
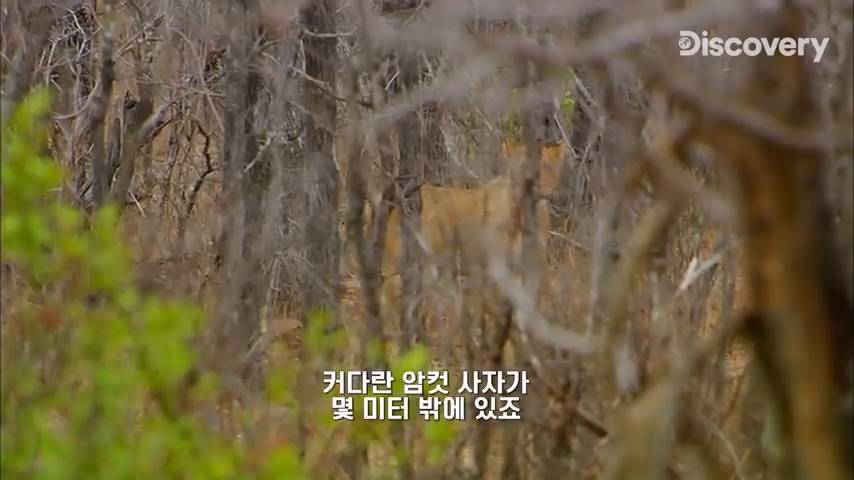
[[409, 182], [241, 198], [797, 312], [321, 227]]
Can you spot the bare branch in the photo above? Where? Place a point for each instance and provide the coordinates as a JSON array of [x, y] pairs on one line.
[[528, 317], [101, 172]]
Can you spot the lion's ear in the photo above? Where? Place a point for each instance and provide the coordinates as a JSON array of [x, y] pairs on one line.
[[512, 150]]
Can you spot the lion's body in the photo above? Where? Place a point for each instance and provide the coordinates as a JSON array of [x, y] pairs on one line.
[[450, 215]]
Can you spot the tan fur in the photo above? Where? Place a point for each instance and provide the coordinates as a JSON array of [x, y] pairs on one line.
[[446, 210]]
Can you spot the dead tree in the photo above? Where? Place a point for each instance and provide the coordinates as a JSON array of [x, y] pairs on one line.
[[322, 179], [36, 18], [244, 180], [409, 180]]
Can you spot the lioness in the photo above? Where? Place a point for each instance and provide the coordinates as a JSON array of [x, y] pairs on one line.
[[447, 213]]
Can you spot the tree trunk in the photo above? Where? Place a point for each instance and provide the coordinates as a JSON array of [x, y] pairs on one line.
[[797, 312], [322, 179], [321, 192], [409, 182], [242, 193]]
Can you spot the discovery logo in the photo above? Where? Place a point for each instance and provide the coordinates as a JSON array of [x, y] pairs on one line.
[[690, 43]]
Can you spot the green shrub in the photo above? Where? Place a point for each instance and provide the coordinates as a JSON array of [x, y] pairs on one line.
[[95, 375], [93, 372], [510, 125]]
